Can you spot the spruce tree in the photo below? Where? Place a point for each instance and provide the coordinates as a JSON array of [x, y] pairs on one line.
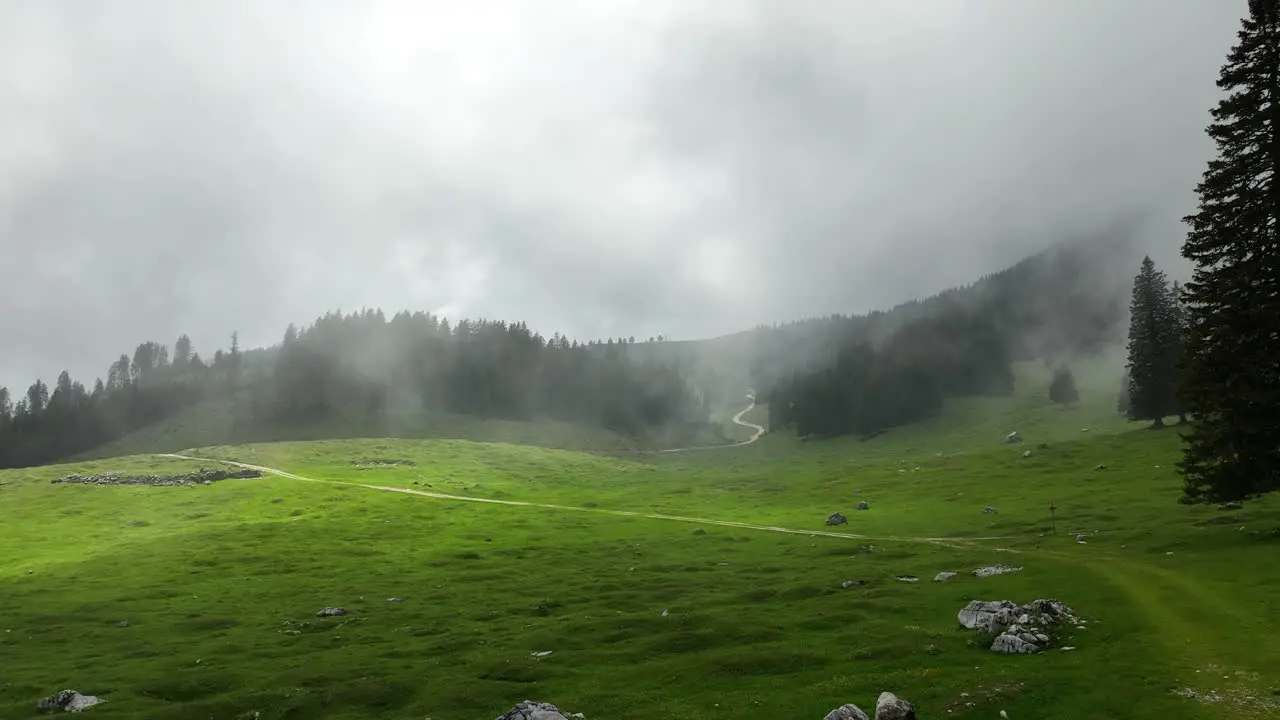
[[1062, 389], [1152, 347], [1231, 377]]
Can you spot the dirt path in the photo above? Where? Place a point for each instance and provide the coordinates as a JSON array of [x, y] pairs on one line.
[[599, 511], [757, 431]]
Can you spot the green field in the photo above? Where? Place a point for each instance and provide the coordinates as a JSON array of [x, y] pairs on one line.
[[220, 584]]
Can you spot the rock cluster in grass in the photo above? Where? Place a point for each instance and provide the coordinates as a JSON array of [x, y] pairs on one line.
[[837, 519], [203, 476], [990, 570], [1019, 629], [888, 707], [533, 710], [68, 701]]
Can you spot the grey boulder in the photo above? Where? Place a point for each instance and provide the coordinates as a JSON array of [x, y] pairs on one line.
[[533, 710], [892, 707]]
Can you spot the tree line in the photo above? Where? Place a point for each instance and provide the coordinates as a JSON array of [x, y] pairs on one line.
[[1228, 355], [361, 367], [863, 374]]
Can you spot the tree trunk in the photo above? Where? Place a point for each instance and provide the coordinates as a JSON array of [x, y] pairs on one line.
[[1157, 424]]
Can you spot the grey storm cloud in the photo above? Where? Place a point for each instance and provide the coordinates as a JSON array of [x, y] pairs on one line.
[[598, 168]]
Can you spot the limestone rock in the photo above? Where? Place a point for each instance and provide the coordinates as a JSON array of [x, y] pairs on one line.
[[68, 701], [1013, 645], [943, 576], [989, 510], [1013, 437], [848, 711], [892, 707], [331, 612], [862, 505], [837, 519], [533, 710]]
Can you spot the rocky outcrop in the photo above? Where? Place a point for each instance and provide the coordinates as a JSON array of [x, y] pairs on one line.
[[848, 711], [68, 701], [892, 707], [1019, 629], [533, 710], [203, 476], [331, 612], [943, 576], [837, 519]]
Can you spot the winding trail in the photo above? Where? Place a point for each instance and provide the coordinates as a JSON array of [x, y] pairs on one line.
[[574, 508], [757, 431]]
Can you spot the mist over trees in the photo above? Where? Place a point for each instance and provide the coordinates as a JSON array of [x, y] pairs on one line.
[[1231, 375], [358, 367], [1062, 389], [841, 375]]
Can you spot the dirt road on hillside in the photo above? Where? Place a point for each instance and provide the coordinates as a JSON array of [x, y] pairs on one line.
[[757, 431], [572, 508]]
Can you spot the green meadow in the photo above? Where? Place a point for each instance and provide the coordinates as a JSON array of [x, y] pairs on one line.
[[708, 612]]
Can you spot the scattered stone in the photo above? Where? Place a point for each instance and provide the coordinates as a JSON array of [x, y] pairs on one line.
[[331, 612], [851, 584], [943, 576], [1026, 453], [990, 570], [699, 531], [665, 612], [892, 707], [908, 578], [847, 712], [1230, 506], [541, 653], [1080, 538], [533, 710], [837, 519], [989, 510], [1066, 648], [68, 701], [122, 624], [203, 476], [1100, 466], [395, 599], [862, 505], [1013, 437]]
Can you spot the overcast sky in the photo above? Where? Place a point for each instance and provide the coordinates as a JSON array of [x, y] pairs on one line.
[[597, 167]]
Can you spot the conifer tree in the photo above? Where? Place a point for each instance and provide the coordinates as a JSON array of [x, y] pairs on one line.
[[1152, 347], [1062, 389], [1231, 377]]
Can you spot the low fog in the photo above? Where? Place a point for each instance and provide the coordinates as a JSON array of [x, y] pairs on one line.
[[595, 168]]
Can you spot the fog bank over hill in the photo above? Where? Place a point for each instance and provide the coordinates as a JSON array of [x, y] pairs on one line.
[[660, 167]]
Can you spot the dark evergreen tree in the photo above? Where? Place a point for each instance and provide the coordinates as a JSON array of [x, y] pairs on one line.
[[1153, 343], [1062, 389], [1122, 399], [1180, 352], [1232, 380]]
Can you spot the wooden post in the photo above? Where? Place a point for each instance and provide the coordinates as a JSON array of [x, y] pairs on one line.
[[1053, 518]]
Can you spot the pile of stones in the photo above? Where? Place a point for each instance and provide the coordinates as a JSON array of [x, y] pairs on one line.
[[203, 476], [1018, 629]]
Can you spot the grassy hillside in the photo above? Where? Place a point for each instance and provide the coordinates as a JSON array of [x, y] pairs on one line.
[[220, 583], [210, 423]]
